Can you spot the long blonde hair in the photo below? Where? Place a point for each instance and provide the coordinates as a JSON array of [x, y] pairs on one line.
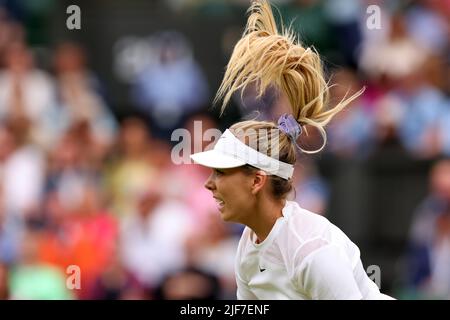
[[269, 58]]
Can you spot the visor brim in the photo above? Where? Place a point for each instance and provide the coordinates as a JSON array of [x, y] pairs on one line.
[[215, 159]]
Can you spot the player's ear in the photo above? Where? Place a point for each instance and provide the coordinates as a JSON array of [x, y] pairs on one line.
[[259, 180]]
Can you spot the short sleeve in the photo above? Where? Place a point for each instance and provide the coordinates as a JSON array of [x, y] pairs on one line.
[[326, 275]]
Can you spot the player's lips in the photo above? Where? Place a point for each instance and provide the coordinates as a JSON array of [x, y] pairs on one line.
[[220, 203]]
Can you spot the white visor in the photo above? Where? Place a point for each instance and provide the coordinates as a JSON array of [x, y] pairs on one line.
[[230, 152]]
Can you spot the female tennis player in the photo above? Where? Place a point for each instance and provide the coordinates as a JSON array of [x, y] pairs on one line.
[[285, 252]]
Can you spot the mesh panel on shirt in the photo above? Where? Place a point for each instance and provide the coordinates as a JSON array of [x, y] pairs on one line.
[[309, 247]]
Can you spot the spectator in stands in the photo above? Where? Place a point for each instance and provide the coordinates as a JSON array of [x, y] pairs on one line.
[[213, 250], [130, 169], [153, 237], [81, 97], [22, 174], [352, 132], [173, 87], [428, 254], [26, 92], [33, 279]]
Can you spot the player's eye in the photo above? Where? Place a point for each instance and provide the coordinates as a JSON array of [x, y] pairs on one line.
[[219, 172]]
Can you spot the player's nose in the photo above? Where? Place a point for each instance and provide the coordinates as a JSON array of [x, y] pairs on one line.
[[209, 184]]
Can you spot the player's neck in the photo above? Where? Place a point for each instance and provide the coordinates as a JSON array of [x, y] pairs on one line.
[[266, 214]]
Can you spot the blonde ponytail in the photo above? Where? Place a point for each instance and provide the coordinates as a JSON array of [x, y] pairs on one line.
[[265, 57]]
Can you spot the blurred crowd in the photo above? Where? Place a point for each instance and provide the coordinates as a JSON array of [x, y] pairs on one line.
[[80, 186]]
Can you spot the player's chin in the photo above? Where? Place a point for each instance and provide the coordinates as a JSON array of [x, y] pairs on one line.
[[226, 215]]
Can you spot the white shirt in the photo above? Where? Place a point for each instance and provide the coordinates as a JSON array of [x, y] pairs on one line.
[[304, 257], [22, 178]]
